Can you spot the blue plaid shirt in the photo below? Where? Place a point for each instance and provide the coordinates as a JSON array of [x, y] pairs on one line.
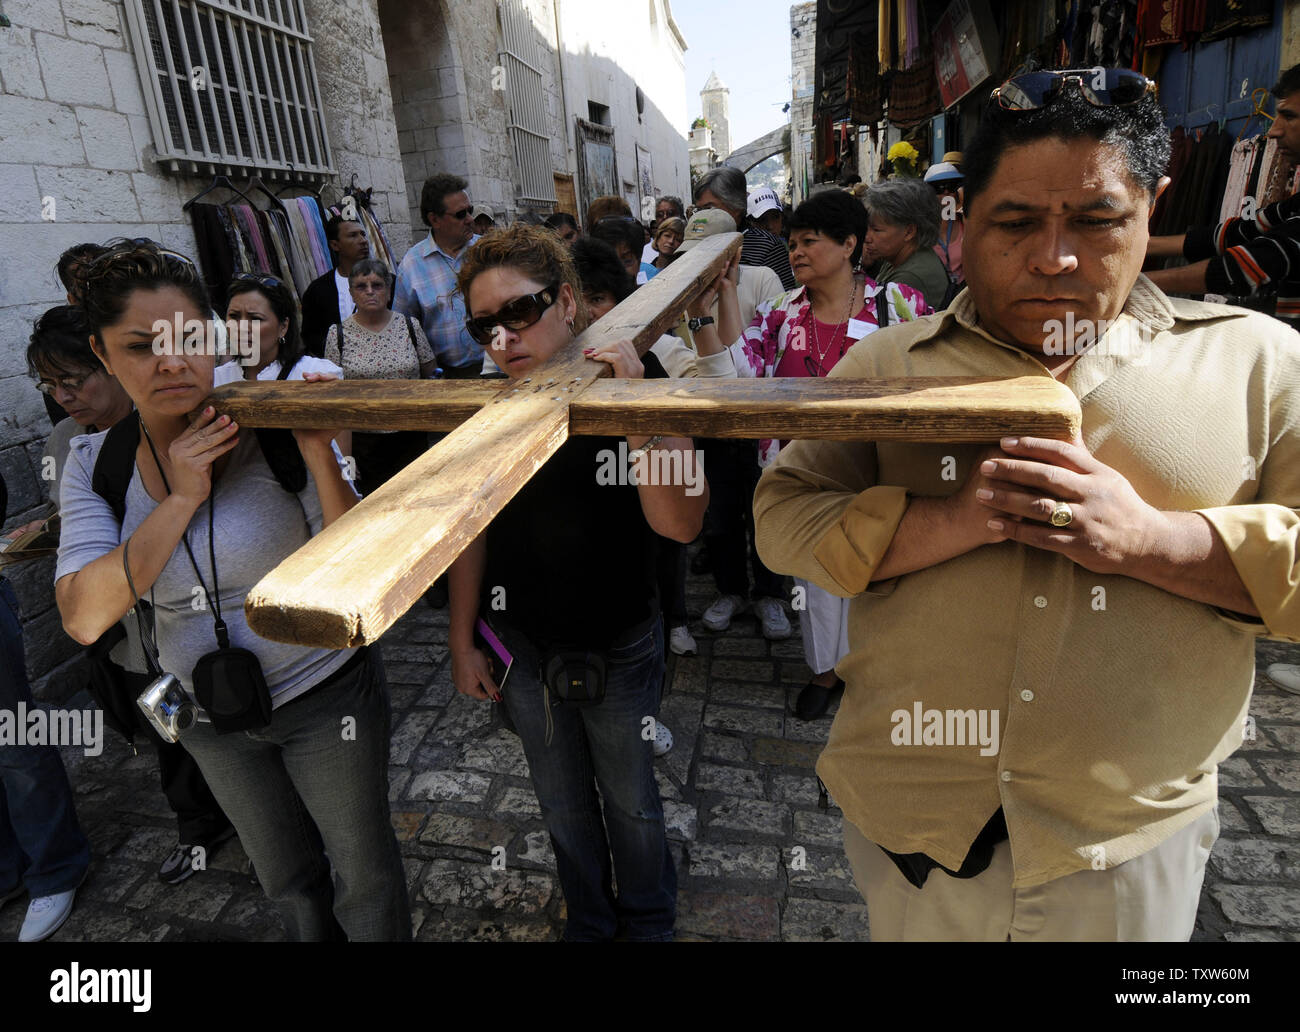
[[426, 289]]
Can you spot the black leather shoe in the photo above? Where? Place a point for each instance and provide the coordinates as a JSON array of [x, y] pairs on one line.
[[815, 700]]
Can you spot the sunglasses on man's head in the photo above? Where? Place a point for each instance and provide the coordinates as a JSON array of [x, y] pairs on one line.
[[1101, 87], [518, 314]]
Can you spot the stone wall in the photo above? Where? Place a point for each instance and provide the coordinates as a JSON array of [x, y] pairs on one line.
[[803, 54], [76, 131]]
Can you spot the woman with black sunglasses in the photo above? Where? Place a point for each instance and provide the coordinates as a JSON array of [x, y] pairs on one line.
[[805, 332], [300, 763], [565, 576]]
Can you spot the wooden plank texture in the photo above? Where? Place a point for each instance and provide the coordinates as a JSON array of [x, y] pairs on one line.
[[349, 583], [919, 409]]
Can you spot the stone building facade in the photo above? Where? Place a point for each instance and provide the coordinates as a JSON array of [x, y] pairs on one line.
[[407, 87], [803, 55]]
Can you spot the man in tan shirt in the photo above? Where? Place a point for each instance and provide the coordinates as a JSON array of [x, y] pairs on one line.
[[1037, 706]]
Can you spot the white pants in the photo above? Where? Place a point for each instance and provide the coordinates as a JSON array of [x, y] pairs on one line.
[[1151, 898], [824, 623]]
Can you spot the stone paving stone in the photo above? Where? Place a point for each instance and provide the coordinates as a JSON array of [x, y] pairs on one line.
[[733, 647], [748, 721], [499, 753], [1286, 736], [403, 696], [397, 779], [425, 655], [1260, 905], [760, 671], [679, 820], [1258, 935], [413, 868], [814, 920], [1283, 771], [667, 789], [727, 916], [447, 829], [821, 872], [537, 850], [148, 844], [791, 648], [682, 715], [715, 745], [1256, 860], [197, 898], [405, 825], [787, 754], [736, 781], [468, 927], [518, 802], [1236, 772], [463, 716], [814, 828], [416, 674], [439, 692], [795, 673], [741, 862], [472, 885], [252, 911], [818, 730], [751, 816], [691, 676], [92, 924], [797, 789], [768, 696], [450, 785], [1278, 814], [110, 880], [409, 735], [1276, 706], [1230, 818]]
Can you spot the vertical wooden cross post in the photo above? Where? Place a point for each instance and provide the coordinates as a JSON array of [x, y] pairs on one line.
[[350, 583]]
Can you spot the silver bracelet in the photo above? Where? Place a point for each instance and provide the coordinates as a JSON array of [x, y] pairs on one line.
[[635, 454]]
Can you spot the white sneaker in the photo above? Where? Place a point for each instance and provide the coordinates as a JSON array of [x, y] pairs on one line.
[[681, 643], [45, 916], [1286, 676], [663, 740], [776, 627], [718, 616]]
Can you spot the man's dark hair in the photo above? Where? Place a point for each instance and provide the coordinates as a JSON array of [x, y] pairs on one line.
[[615, 229], [679, 209], [73, 262], [562, 218], [436, 187], [60, 344], [1288, 82], [334, 224], [834, 214], [600, 270], [1137, 129]]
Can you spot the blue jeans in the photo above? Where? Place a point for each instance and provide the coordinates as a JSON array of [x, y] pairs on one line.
[[41, 843], [315, 783], [601, 747]]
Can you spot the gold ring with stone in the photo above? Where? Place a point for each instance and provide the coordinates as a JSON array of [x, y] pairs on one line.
[[1062, 515]]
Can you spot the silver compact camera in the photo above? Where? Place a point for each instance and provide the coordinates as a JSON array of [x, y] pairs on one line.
[[167, 708]]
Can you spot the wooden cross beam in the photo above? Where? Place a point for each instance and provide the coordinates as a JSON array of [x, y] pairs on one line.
[[349, 583]]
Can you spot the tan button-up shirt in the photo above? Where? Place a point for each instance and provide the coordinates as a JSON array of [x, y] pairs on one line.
[[1114, 701]]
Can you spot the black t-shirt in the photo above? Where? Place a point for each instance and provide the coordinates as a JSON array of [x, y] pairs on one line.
[[572, 551]]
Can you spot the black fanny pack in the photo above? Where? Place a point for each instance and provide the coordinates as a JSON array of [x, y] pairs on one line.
[[574, 676]]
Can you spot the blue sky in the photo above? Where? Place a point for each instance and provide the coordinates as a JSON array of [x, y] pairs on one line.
[[748, 44]]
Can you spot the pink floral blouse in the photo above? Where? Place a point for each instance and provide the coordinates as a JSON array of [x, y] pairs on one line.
[[785, 321]]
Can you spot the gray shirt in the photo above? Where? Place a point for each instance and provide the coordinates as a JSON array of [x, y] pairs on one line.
[[923, 270], [257, 524]]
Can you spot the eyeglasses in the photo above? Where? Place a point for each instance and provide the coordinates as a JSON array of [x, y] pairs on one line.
[[369, 288], [518, 314], [71, 384], [1101, 87], [459, 216]]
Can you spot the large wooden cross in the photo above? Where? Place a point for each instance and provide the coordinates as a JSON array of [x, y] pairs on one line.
[[349, 583]]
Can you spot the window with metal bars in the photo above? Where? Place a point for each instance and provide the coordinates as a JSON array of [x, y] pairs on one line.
[[522, 58], [231, 86]]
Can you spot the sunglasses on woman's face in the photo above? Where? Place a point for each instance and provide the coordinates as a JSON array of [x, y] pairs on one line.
[[1101, 87], [518, 314]]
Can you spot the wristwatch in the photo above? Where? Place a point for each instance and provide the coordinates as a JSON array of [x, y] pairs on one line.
[[695, 324]]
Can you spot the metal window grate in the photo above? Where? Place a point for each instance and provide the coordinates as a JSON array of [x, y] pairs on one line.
[[231, 86], [522, 57]]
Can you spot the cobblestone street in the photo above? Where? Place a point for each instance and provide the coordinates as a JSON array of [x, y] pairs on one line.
[[739, 792]]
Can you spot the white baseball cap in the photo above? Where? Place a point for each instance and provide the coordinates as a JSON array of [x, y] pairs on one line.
[[761, 200], [943, 172]]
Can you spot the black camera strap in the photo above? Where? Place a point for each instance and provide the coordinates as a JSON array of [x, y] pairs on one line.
[[148, 643], [223, 637]]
